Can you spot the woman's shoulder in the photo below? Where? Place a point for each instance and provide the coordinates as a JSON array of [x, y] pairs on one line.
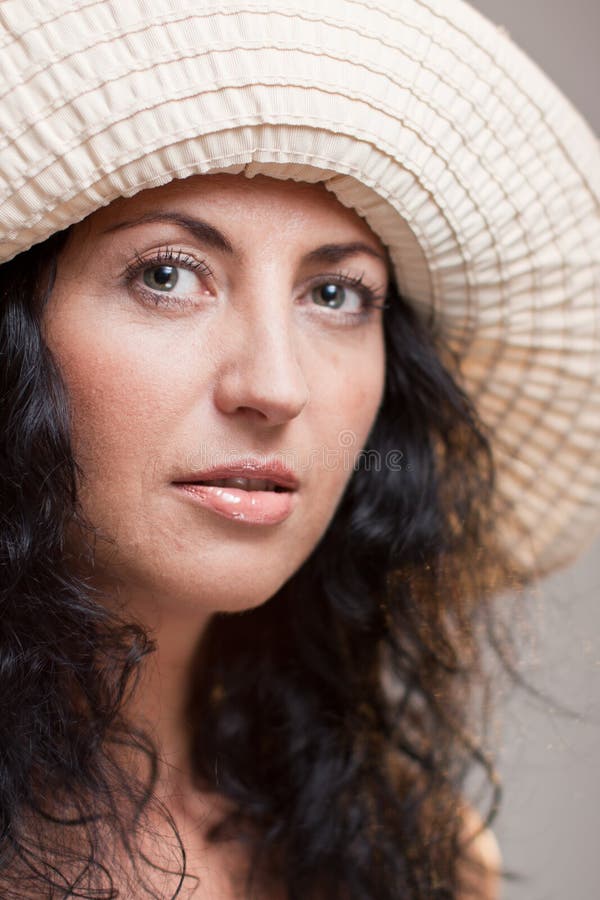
[[481, 863]]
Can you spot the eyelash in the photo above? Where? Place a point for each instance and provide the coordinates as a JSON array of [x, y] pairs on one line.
[[178, 258], [166, 256]]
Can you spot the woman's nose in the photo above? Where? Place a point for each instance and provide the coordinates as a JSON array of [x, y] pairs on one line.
[[260, 371]]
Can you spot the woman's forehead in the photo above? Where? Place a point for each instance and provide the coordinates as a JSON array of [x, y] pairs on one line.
[[235, 198]]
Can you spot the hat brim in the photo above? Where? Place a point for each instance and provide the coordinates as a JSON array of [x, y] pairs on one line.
[[478, 175]]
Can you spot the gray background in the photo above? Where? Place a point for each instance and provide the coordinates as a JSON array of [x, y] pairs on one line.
[[549, 827]]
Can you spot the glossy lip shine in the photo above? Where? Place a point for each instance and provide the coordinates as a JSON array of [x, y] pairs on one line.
[[251, 507]]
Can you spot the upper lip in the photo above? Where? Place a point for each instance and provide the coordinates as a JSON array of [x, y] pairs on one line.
[[271, 470]]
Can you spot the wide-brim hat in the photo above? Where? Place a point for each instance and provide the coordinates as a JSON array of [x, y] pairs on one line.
[[478, 175]]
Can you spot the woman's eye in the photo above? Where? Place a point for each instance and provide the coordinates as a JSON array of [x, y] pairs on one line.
[[168, 278], [161, 278], [165, 278], [335, 296]]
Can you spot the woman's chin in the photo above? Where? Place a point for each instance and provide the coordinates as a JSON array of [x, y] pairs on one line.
[[190, 590]]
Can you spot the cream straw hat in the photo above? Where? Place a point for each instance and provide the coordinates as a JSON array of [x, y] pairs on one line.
[[478, 175]]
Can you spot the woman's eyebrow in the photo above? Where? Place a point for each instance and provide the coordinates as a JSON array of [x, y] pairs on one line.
[[212, 237]]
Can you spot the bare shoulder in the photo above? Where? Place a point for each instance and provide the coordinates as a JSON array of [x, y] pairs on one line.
[[481, 862]]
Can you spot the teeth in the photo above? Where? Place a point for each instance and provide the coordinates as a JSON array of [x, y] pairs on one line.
[[246, 484]]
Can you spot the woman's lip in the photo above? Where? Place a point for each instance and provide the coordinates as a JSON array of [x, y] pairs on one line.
[[249, 507], [272, 470]]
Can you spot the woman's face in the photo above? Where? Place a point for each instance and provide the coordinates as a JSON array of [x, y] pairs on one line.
[[206, 324]]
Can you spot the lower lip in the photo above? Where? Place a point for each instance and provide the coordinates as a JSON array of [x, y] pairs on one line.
[[250, 507]]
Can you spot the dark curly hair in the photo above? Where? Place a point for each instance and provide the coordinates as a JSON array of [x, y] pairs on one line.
[[336, 719]]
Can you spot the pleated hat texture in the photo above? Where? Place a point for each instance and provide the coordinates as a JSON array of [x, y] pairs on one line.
[[479, 176]]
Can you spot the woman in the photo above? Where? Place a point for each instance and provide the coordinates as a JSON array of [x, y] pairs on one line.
[[274, 278]]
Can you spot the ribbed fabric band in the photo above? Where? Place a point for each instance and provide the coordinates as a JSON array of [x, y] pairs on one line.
[[478, 175]]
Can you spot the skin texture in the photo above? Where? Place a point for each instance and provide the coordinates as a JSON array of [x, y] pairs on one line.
[[247, 362], [245, 369]]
